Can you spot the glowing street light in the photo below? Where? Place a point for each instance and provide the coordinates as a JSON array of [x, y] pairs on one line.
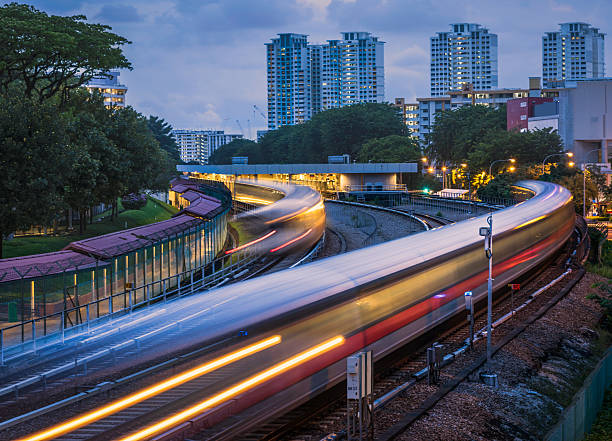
[[568, 154]]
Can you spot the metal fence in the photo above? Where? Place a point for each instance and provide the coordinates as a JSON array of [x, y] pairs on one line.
[[578, 418], [37, 332]]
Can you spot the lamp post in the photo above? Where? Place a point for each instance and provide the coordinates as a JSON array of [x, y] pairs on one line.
[[443, 177], [568, 154], [584, 181], [467, 170], [500, 160]]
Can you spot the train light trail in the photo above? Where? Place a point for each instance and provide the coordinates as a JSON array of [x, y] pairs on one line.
[[295, 239], [253, 242], [151, 391], [236, 389]]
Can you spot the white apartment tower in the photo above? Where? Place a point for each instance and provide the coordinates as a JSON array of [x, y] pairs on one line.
[[198, 145], [465, 55], [289, 88], [576, 51], [305, 79]]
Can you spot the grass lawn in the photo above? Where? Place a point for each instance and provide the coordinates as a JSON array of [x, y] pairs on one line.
[[154, 211]]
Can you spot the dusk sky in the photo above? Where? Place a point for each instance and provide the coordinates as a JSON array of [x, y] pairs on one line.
[[201, 64]]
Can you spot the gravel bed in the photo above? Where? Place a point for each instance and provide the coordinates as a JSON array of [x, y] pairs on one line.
[[538, 372]]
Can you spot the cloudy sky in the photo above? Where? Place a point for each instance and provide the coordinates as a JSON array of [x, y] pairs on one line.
[[201, 63]]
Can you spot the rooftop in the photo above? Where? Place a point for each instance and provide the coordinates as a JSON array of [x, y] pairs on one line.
[[278, 169]]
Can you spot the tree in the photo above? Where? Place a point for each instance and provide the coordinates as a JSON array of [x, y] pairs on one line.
[[34, 162], [528, 148], [148, 166], [393, 148], [163, 133], [456, 132], [332, 132], [574, 185], [52, 54]]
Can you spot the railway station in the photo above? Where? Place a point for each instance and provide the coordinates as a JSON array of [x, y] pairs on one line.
[[331, 180]]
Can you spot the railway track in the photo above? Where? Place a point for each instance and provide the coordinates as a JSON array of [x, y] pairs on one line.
[[325, 417]]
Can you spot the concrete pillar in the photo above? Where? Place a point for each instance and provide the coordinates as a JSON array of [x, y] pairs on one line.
[[604, 150]]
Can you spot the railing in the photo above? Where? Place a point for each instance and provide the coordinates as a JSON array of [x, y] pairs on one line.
[[374, 187], [31, 335]]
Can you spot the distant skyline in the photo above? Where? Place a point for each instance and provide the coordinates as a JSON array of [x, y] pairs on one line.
[[202, 64]]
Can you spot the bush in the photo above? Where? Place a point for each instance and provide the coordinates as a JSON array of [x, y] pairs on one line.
[[134, 201]]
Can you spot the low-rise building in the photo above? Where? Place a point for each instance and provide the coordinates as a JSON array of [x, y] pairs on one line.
[[199, 145], [109, 87], [410, 115]]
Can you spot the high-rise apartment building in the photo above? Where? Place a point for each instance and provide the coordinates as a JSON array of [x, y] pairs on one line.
[[467, 54], [198, 145], [410, 115], [576, 51], [289, 82], [305, 79], [109, 87]]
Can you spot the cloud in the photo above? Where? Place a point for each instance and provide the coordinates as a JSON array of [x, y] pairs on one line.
[[118, 14], [202, 63]]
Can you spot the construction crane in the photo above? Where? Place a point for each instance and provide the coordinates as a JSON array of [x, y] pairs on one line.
[[263, 115], [240, 125]]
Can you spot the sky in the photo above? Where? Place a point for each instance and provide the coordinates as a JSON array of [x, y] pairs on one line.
[[201, 64]]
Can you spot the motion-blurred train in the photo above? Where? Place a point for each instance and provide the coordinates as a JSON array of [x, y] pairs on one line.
[[377, 298], [289, 217]]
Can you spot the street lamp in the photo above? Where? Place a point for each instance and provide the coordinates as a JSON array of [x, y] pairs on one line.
[[511, 160], [568, 154], [467, 170], [443, 177], [584, 181]]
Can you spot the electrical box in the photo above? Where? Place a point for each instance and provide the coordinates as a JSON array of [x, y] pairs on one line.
[[359, 375]]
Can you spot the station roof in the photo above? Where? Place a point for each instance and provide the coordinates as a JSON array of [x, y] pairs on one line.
[[121, 242], [38, 265], [295, 169]]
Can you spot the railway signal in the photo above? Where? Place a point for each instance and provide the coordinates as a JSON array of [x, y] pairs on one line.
[[487, 233], [359, 397], [469, 306]]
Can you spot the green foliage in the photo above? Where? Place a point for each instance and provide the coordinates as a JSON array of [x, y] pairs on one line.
[[392, 148], [602, 428], [332, 132], [604, 298], [163, 134], [54, 54], [154, 211], [456, 133], [34, 161], [61, 148], [498, 188]]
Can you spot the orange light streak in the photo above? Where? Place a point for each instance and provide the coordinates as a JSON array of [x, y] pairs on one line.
[[236, 389], [295, 239], [253, 242], [151, 391]]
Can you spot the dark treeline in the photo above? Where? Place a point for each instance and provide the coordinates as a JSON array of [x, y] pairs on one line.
[[61, 147], [350, 130]]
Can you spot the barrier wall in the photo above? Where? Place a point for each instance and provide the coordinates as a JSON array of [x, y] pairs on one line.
[[578, 418]]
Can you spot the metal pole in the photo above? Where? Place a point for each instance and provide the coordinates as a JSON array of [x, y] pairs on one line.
[[490, 289], [584, 192]]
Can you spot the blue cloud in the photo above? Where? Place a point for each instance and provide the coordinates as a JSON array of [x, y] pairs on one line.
[[119, 14]]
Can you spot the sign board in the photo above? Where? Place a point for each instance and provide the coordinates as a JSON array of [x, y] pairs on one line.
[[514, 286]]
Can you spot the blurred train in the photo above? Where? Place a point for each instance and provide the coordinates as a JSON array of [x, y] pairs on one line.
[[289, 218], [377, 298]]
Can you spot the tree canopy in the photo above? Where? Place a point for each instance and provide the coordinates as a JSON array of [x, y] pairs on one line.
[[455, 133], [332, 132], [61, 147], [51, 54], [393, 148]]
